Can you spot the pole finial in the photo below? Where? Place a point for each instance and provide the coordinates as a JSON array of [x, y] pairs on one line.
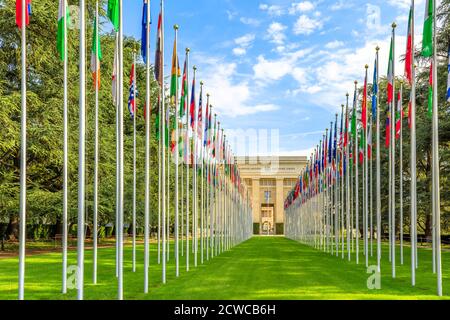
[[347, 94], [366, 66], [195, 68], [377, 48], [201, 82], [176, 27], [394, 25], [208, 95], [188, 50], [356, 82]]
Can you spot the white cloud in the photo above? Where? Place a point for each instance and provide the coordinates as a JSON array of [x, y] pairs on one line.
[[297, 7], [334, 44], [341, 4], [273, 10], [231, 14], [306, 25], [404, 4], [275, 33], [243, 44], [239, 51], [250, 21], [229, 96]]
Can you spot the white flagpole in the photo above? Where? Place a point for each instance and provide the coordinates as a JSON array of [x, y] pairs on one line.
[[23, 157], [81, 154], [95, 218], [347, 178], [435, 165], [121, 156], [65, 158], [401, 173], [177, 262], [163, 152], [366, 186], [188, 159], [167, 119], [378, 176], [356, 182], [371, 186], [116, 65], [134, 164], [413, 191], [336, 198], [393, 238], [147, 158]]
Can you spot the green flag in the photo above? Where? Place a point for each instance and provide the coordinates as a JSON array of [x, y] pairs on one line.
[[113, 13], [427, 36], [61, 30]]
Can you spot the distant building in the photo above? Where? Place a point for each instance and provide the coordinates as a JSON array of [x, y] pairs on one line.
[[269, 180]]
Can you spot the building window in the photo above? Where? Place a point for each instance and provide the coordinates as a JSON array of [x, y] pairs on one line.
[[290, 182], [267, 182], [267, 196]]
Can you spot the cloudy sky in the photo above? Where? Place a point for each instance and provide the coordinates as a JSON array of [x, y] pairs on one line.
[[281, 65]]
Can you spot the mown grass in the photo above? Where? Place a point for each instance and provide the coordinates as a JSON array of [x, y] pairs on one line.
[[260, 268]]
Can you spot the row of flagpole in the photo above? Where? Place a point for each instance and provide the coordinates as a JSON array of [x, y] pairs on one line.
[[325, 194], [225, 197]]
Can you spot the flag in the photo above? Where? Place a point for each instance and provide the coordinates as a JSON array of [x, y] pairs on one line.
[[209, 127], [409, 49], [390, 76], [192, 107], [131, 98], [430, 92], [115, 83], [354, 116], [330, 147], [341, 133], [19, 21], [96, 56], [427, 36], [398, 115], [409, 109], [448, 77], [205, 135], [364, 104], [200, 113], [388, 130], [158, 54], [335, 145], [184, 91], [176, 72], [144, 31], [113, 13], [369, 142], [375, 89], [61, 31], [361, 146]]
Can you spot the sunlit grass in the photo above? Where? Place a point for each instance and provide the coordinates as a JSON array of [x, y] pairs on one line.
[[260, 268]]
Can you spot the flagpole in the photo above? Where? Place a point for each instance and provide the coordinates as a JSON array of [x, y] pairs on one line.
[[81, 154], [392, 124], [435, 164], [413, 191], [370, 186], [177, 262], [121, 155], [342, 185], [116, 62], [188, 159], [147, 156], [366, 179], [378, 176], [163, 144], [95, 218], [134, 162], [356, 182], [336, 198], [23, 155], [347, 178], [65, 157], [401, 172]]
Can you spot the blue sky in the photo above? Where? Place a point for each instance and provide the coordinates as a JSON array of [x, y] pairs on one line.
[[280, 65]]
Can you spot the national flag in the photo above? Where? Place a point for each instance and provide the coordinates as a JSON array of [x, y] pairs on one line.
[[427, 36], [19, 21], [213, 152], [131, 98], [364, 104], [61, 31], [409, 49], [448, 77], [175, 74], [192, 107], [158, 54], [388, 130], [184, 91], [200, 114], [209, 127], [375, 89], [330, 147], [335, 145], [205, 135], [390, 75], [113, 13], [115, 83], [96, 56], [144, 31], [369, 142], [341, 133], [398, 115], [355, 102], [325, 150], [361, 146], [430, 92]]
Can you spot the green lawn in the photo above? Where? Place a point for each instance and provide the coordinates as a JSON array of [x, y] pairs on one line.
[[260, 268]]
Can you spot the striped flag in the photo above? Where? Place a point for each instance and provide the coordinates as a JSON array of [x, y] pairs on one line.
[[61, 31], [409, 50], [390, 76], [184, 91], [158, 54], [192, 107], [364, 104], [19, 21], [144, 31], [388, 130], [96, 56], [131, 98], [398, 115], [200, 114]]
